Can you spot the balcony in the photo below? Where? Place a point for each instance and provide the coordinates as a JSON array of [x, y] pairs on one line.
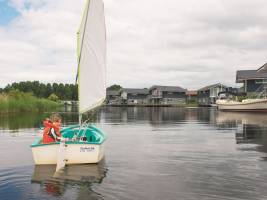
[[159, 96]]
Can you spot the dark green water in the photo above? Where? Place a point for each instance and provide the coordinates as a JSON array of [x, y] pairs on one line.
[[151, 153]]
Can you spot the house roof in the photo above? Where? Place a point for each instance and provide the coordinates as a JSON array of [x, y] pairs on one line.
[[168, 88], [212, 86], [113, 92], [242, 75], [135, 91], [191, 93], [263, 68]]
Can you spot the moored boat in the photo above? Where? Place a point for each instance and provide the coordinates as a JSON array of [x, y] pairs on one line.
[[245, 105]]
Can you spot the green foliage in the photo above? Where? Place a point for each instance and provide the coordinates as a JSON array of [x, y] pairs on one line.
[[53, 97], [114, 87], [241, 98], [3, 102], [41, 90], [191, 101], [15, 101]]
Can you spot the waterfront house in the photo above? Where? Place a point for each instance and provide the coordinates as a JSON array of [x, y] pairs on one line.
[[254, 81], [167, 95], [133, 96], [191, 96], [113, 97], [208, 95]]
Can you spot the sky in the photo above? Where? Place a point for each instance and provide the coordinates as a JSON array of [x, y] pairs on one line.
[[186, 43]]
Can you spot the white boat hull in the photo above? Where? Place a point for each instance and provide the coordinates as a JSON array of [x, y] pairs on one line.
[[75, 153], [250, 105]]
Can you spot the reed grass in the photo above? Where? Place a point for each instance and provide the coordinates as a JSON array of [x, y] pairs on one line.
[[16, 101]]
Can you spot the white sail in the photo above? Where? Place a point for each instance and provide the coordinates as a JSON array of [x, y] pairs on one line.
[[91, 46]]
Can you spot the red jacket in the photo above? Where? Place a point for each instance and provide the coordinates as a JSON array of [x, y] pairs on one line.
[[48, 127]]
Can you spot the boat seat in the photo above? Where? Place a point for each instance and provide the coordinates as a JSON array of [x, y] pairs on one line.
[[68, 133], [91, 135]]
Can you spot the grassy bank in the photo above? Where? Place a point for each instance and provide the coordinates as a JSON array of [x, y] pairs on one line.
[[16, 101], [192, 104]]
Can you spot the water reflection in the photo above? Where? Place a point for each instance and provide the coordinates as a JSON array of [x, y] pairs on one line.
[[159, 115], [152, 153], [251, 128], [80, 177], [156, 116], [23, 120], [16, 121]]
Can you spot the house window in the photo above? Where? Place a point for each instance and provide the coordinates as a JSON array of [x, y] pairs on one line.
[[260, 81], [156, 93]]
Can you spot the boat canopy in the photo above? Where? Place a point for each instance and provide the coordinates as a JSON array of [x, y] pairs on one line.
[[91, 50]]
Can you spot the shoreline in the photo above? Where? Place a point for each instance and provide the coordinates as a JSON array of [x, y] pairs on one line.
[[153, 105]]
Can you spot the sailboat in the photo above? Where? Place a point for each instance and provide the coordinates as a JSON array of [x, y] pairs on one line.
[[83, 143]]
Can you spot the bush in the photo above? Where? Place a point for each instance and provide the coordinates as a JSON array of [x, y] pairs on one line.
[[241, 98], [19, 101], [53, 97]]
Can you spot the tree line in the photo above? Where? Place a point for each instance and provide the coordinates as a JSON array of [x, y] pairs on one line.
[[41, 90]]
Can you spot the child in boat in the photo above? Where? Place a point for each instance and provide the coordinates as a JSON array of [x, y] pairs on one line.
[[52, 128]]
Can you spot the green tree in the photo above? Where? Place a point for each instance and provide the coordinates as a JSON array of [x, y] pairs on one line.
[[68, 92], [42, 90], [49, 90], [63, 91], [74, 92], [36, 88], [55, 88], [114, 87]]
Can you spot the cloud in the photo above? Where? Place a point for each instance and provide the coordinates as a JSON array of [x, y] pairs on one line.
[[172, 42], [40, 43], [187, 42]]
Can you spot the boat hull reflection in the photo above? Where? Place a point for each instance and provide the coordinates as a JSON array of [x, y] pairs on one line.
[[80, 176], [79, 173]]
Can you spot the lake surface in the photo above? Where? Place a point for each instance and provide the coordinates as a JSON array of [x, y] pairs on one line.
[[151, 153]]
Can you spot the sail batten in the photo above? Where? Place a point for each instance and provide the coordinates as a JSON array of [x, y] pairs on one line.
[[91, 52]]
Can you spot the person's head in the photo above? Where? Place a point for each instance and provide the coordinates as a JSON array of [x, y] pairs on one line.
[[55, 117]]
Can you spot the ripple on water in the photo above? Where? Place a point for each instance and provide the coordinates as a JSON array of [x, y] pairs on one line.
[[162, 153]]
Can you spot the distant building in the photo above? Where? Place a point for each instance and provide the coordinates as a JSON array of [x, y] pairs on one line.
[[191, 96], [254, 81], [113, 97], [208, 95], [133, 96], [167, 95]]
